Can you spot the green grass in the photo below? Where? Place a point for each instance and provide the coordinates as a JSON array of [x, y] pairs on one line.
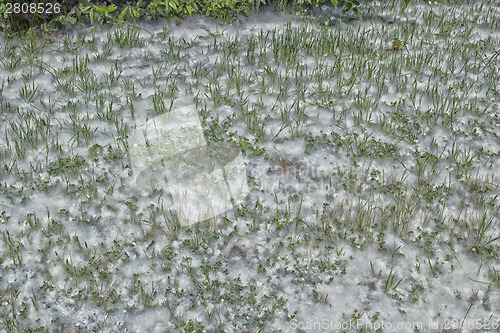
[[412, 146]]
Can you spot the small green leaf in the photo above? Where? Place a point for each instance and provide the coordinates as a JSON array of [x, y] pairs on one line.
[[358, 12], [101, 9], [3, 11], [123, 13], [347, 7], [335, 3]]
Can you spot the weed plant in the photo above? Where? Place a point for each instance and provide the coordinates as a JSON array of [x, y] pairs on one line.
[[24, 16]]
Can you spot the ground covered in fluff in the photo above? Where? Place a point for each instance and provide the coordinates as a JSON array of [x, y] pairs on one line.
[[372, 157]]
